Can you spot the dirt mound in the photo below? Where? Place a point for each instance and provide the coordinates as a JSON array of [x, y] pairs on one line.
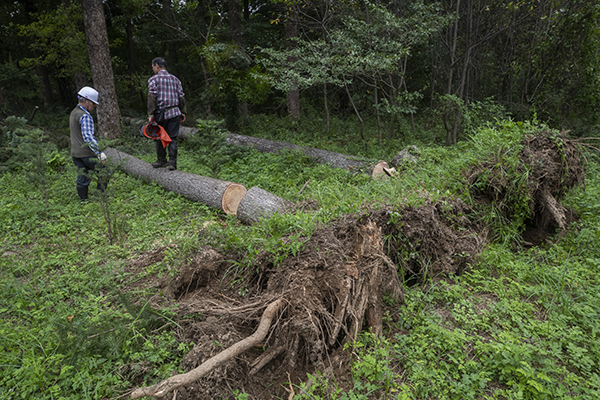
[[332, 290], [434, 238], [548, 165]]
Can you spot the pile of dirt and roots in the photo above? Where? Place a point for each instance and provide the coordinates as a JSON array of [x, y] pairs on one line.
[[262, 330], [549, 164], [326, 295]]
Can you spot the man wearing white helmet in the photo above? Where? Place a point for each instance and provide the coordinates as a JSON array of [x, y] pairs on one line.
[[84, 146]]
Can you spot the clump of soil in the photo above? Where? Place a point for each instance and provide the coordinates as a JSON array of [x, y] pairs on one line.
[[556, 168], [549, 165], [441, 237]]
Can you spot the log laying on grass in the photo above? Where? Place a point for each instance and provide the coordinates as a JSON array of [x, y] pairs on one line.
[[214, 193], [336, 160], [259, 203], [166, 386]]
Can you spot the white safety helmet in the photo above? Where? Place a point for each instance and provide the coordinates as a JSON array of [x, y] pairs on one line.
[[89, 93]]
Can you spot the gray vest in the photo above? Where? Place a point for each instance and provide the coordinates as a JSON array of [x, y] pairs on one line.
[[79, 148]]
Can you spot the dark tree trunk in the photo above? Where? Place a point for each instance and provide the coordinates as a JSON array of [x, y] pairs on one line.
[[44, 81], [131, 60], [293, 96], [235, 25], [246, 10], [201, 26], [172, 56], [109, 116]]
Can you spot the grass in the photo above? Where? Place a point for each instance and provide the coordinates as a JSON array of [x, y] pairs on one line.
[[518, 325]]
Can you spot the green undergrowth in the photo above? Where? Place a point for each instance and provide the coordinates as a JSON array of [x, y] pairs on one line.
[[75, 324]]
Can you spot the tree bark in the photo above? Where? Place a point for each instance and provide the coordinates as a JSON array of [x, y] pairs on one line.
[[258, 203], [293, 96], [555, 209], [172, 54], [44, 80], [235, 25], [109, 116], [331, 158], [215, 193], [161, 389]]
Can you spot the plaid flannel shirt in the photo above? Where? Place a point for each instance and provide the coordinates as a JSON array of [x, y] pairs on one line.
[[87, 130], [167, 89]]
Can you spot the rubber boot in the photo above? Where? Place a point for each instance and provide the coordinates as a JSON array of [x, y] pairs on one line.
[[82, 191]]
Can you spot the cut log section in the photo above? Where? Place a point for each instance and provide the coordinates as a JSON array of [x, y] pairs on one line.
[[214, 193], [259, 203], [333, 159], [380, 170]]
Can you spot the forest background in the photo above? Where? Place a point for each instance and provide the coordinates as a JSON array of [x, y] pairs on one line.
[[440, 62]]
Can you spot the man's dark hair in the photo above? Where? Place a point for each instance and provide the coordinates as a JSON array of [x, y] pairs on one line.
[[161, 62]]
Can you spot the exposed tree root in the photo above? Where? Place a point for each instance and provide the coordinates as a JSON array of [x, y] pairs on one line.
[[333, 290], [555, 209], [266, 358], [164, 387]]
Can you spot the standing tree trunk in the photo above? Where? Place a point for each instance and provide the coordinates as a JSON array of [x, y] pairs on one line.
[[293, 96], [44, 80], [235, 25], [133, 86], [172, 56], [109, 116]]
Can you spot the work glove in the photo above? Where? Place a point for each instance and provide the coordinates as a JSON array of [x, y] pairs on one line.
[[102, 156], [151, 121], [182, 118]]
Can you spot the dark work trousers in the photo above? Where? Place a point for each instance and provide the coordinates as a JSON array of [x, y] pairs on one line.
[[85, 167], [172, 128]]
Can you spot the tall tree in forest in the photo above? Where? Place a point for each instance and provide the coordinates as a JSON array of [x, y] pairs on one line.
[[293, 95], [109, 116]]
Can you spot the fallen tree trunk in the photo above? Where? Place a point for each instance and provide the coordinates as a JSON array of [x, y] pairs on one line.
[[215, 193], [259, 203], [336, 160], [164, 387]]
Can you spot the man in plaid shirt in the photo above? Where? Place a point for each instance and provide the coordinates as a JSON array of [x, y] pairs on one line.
[[165, 95]]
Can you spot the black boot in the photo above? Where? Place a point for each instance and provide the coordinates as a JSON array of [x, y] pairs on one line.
[[82, 191]]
